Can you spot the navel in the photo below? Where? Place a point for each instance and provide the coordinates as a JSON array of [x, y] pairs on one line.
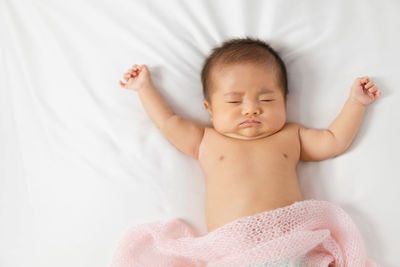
[[221, 157], [285, 155]]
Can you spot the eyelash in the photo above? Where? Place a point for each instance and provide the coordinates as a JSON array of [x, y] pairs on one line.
[[260, 100]]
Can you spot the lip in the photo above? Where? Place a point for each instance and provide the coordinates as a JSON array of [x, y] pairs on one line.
[[250, 123]]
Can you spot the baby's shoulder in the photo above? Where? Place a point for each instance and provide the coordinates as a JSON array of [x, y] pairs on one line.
[[208, 130], [292, 126]]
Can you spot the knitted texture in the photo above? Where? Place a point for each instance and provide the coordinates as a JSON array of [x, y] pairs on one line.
[[305, 233]]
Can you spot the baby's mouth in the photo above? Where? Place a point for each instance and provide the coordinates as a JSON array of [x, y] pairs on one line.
[[249, 123]]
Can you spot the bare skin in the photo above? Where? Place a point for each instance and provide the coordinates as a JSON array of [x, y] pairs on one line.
[[250, 168], [247, 177]]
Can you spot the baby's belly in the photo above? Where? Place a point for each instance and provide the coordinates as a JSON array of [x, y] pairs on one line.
[[228, 199]]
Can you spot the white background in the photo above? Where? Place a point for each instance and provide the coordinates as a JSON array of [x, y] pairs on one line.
[[80, 161]]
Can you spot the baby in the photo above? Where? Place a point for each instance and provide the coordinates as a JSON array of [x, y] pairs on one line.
[[250, 154]]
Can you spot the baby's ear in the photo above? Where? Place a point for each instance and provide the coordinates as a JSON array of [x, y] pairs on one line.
[[207, 105]]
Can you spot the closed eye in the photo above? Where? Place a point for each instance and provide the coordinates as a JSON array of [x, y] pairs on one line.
[[266, 100]]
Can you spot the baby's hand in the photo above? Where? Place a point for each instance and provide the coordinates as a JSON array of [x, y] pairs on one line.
[[137, 78], [364, 91]]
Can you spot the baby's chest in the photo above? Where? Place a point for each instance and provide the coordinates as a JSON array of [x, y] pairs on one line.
[[273, 152]]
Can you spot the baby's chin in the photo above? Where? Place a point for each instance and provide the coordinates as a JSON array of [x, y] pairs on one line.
[[248, 133]]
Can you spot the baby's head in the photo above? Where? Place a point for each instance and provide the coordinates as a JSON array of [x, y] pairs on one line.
[[245, 79]]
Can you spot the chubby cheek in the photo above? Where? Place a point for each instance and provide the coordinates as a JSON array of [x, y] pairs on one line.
[[225, 120], [279, 117]]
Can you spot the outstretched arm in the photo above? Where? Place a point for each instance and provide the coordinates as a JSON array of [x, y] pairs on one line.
[[323, 144], [183, 134], [138, 78]]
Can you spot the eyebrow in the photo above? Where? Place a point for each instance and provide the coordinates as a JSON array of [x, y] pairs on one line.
[[263, 91]]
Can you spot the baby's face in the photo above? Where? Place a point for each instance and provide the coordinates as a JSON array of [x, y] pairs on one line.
[[246, 92]]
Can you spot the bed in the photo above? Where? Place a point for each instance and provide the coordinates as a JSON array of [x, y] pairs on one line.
[[81, 163]]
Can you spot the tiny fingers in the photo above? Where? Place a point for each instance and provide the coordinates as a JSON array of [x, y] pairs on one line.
[[127, 76], [369, 85], [136, 67], [374, 92], [373, 89], [121, 84], [364, 79], [130, 73], [133, 71]]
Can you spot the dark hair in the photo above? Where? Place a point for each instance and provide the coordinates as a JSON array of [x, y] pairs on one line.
[[243, 50]]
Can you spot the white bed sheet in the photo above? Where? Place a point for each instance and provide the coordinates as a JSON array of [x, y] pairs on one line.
[[80, 161]]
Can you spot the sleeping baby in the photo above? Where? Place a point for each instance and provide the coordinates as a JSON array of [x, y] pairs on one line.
[[255, 211]]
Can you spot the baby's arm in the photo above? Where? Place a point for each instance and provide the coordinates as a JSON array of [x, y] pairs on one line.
[[323, 144], [183, 134]]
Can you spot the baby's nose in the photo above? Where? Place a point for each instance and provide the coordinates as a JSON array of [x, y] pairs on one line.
[[251, 110]]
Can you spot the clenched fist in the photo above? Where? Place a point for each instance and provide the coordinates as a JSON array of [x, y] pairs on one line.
[[136, 78], [364, 91]]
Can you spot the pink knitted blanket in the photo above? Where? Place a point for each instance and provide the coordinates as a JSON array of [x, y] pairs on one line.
[[305, 233]]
